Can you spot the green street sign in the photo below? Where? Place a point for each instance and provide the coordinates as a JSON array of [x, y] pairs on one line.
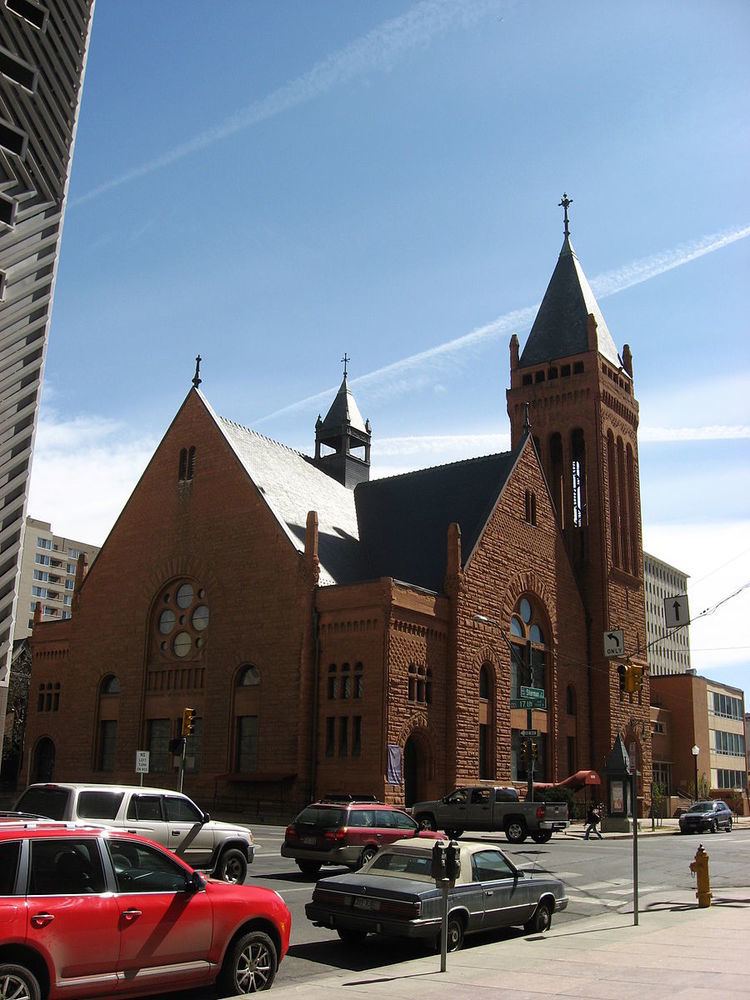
[[529, 692], [529, 703]]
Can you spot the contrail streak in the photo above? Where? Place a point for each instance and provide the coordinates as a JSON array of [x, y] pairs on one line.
[[375, 50], [423, 368]]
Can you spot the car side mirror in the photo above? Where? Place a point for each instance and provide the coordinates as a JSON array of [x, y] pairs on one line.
[[206, 817], [194, 884]]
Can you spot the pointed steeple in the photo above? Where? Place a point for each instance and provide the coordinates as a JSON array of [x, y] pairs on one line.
[[562, 326], [344, 430]]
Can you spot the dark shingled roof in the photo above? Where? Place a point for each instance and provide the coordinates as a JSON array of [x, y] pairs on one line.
[[561, 325], [343, 410], [403, 520]]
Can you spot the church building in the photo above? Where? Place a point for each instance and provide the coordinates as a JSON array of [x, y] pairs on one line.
[[337, 634]]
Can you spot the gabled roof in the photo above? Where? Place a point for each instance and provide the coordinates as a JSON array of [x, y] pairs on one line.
[[343, 410], [403, 520], [291, 486], [561, 325]]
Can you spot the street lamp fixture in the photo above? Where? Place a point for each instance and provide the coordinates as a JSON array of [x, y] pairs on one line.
[[695, 751]]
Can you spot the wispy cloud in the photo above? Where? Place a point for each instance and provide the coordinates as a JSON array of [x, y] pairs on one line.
[[426, 367], [377, 50]]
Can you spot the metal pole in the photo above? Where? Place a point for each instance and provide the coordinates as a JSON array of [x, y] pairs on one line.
[[182, 762], [634, 797], [444, 885], [695, 761], [529, 725]]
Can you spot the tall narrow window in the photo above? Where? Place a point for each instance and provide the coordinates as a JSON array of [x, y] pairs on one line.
[[344, 736], [530, 511], [330, 736], [191, 462], [331, 685], [578, 477], [247, 743], [107, 744], [359, 686], [158, 732], [356, 736], [182, 467], [622, 506], [632, 491], [345, 687], [613, 496], [556, 475], [486, 721]]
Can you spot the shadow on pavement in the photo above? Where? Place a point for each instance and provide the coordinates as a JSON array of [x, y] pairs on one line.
[[739, 904]]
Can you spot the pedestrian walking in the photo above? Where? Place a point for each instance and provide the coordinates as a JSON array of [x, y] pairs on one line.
[[593, 819]]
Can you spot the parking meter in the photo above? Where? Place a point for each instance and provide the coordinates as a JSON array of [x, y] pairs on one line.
[[439, 871], [452, 861]]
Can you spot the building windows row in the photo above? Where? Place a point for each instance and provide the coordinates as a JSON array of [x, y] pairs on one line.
[[343, 736], [623, 504], [725, 778], [724, 705], [731, 744], [419, 684], [48, 697], [553, 372], [344, 683], [43, 543]]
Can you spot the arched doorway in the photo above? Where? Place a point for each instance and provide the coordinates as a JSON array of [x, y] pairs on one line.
[[416, 769], [44, 760]]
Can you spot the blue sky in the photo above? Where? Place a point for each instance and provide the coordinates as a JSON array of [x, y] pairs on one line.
[[272, 183]]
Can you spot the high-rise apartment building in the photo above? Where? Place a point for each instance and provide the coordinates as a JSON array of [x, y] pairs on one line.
[[668, 649], [48, 574], [43, 48]]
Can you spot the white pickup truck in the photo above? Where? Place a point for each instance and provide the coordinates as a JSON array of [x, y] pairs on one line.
[[489, 808]]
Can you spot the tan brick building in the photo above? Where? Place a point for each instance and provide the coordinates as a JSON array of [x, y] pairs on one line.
[[338, 634]]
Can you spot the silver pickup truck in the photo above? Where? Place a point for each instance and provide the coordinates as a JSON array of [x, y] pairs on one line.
[[488, 808]]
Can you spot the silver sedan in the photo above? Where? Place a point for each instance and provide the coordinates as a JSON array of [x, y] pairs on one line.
[[395, 894]]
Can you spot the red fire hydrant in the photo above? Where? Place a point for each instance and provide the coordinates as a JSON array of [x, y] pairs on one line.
[[699, 868]]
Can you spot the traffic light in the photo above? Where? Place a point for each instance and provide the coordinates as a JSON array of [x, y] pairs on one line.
[[637, 677], [622, 675], [534, 750], [630, 679], [188, 721]]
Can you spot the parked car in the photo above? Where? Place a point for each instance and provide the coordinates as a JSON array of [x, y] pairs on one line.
[[89, 911], [395, 894], [344, 833], [168, 817], [709, 817], [487, 808]]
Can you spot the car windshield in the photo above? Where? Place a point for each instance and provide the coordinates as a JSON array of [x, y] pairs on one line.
[[702, 807], [322, 817], [401, 865], [49, 802]]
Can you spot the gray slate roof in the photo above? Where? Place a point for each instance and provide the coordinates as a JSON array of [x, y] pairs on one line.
[[403, 520], [560, 327]]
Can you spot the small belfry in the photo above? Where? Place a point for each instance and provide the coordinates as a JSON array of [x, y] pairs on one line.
[[342, 439]]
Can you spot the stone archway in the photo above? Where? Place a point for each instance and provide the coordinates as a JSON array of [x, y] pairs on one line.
[[43, 766], [416, 768]]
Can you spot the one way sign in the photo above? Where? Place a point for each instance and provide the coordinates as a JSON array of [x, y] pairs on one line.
[[676, 611]]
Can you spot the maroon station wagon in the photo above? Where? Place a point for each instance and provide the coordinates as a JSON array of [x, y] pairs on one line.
[[348, 833]]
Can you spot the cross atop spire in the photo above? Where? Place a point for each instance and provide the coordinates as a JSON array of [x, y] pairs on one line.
[[566, 201], [197, 377], [345, 361]]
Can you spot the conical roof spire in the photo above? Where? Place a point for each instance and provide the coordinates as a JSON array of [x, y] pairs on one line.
[[344, 410], [561, 327]]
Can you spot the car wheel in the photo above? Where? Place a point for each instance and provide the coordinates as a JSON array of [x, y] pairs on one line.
[[310, 868], [18, 982], [367, 855], [455, 933], [714, 827], [516, 831], [250, 965], [541, 920], [729, 826], [455, 832], [426, 822], [541, 836], [349, 936], [232, 867]]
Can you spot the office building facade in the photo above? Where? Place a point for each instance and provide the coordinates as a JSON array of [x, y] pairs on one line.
[[668, 649]]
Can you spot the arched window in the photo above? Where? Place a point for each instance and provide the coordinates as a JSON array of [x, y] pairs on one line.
[[332, 681], [578, 478], [419, 684], [486, 721], [248, 676], [529, 650], [556, 475], [613, 496], [359, 682], [345, 684], [246, 714], [111, 685]]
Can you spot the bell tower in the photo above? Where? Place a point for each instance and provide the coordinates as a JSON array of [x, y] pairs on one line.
[[584, 419], [346, 436]]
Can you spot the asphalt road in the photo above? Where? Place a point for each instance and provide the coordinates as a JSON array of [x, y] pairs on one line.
[[597, 873]]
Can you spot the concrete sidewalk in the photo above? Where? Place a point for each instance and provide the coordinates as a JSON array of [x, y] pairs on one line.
[[677, 950]]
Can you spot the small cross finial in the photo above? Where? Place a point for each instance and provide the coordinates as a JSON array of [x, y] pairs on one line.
[[197, 377], [526, 420], [345, 361], [566, 201]]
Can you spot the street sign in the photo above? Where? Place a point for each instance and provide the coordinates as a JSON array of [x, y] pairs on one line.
[[529, 732], [529, 692], [676, 611], [529, 703], [614, 642], [141, 761]]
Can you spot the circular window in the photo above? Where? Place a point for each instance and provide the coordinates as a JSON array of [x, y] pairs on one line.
[[185, 596], [166, 621], [182, 644], [524, 607], [200, 617]]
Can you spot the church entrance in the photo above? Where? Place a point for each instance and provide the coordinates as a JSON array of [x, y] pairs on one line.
[[416, 756], [43, 767]]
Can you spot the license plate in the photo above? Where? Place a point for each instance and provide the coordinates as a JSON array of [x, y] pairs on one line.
[[310, 840], [360, 903]]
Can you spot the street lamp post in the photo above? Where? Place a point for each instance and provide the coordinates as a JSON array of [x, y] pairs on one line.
[[695, 751]]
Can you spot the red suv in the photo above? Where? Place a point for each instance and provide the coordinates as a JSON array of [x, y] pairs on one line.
[[89, 912], [345, 833]]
